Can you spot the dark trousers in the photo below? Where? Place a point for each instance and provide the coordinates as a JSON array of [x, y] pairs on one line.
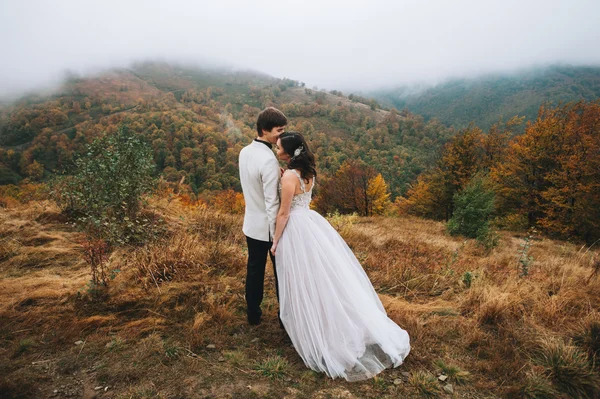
[[255, 276]]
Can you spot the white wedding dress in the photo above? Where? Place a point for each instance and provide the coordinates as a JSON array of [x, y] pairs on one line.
[[328, 306]]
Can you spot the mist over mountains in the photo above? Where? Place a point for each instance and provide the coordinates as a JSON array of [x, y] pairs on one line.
[[487, 99], [483, 100], [334, 44]]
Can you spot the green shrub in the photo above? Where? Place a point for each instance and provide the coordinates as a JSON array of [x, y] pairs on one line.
[[473, 207], [104, 193]]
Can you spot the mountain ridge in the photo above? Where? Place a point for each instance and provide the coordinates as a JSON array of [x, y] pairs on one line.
[[198, 120], [491, 97]]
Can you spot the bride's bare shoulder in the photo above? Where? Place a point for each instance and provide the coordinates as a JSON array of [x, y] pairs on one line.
[[289, 177]]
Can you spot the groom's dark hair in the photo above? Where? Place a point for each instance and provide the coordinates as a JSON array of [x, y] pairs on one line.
[[268, 119]]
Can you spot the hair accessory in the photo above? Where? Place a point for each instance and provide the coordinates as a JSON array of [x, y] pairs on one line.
[[298, 151]]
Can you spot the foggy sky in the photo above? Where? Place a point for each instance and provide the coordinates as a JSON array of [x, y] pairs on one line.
[[336, 44]]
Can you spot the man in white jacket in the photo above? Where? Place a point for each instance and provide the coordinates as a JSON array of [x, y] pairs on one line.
[[259, 175]]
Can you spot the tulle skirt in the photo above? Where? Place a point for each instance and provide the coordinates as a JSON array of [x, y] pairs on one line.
[[328, 306]]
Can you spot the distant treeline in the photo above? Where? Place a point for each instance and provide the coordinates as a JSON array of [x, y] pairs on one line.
[[486, 100]]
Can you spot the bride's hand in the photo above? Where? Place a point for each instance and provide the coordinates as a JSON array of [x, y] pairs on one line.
[[274, 248]]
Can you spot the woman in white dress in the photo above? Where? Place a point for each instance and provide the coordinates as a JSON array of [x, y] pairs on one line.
[[328, 306]]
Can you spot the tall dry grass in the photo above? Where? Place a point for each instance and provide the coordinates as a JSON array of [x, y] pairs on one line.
[[494, 325], [467, 310]]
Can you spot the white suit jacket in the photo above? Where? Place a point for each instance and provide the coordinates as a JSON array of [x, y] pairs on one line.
[[259, 175]]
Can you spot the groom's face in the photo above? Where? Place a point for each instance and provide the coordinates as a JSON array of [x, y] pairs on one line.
[[273, 135]]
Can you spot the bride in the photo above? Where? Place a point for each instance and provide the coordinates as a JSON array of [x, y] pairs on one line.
[[328, 306]]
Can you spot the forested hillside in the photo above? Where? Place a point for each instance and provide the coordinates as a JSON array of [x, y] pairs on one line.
[[197, 120], [487, 99], [371, 160]]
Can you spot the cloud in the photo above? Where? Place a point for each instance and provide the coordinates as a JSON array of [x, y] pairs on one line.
[[329, 43]]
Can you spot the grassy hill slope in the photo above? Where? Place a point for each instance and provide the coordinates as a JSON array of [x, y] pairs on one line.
[[172, 322]]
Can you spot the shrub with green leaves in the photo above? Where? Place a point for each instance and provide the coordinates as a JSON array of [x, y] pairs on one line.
[[104, 193], [473, 207]]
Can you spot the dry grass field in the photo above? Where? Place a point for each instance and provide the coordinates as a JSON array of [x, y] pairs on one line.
[[172, 322]]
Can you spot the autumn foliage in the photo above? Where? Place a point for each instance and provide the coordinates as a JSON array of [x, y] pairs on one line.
[[549, 176], [432, 194], [229, 201], [355, 188]]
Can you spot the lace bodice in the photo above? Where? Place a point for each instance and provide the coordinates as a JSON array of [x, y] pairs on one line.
[[301, 200]]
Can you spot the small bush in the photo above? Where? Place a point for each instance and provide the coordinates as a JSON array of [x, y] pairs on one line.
[[472, 209], [105, 191], [228, 201]]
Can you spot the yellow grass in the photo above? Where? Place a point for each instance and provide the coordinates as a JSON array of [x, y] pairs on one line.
[[152, 334]]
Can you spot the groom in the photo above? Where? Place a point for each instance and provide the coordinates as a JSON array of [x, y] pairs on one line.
[[259, 175]]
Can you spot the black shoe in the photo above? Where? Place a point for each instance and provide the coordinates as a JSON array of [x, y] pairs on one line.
[[254, 321]]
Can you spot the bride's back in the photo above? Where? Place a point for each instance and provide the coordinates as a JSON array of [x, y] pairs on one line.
[[303, 192]]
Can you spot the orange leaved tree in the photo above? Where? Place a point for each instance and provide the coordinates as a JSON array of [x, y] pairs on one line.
[[355, 188]]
